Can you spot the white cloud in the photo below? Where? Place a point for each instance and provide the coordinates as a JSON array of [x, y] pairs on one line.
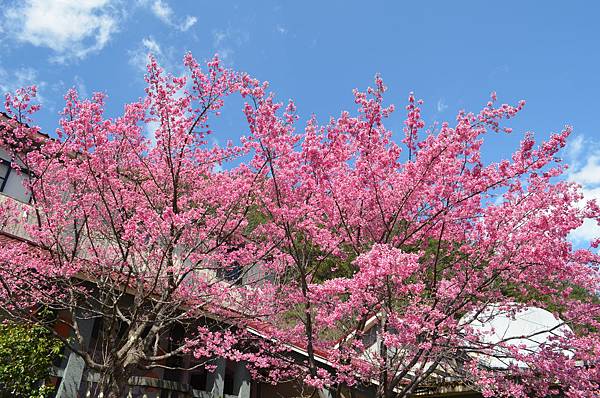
[[281, 29], [574, 147], [590, 229], [138, 57], [221, 46], [25, 75], [587, 174], [167, 57], [225, 54], [19, 78], [163, 11], [219, 37], [188, 23], [151, 45], [71, 28], [441, 105], [81, 87], [225, 42]]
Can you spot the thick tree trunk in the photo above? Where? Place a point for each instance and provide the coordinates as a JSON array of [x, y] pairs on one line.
[[114, 390], [325, 393], [114, 382]]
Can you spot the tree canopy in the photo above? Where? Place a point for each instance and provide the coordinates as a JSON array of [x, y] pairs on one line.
[[375, 253]]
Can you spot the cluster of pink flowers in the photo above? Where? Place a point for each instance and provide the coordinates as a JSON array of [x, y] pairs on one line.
[[361, 252]]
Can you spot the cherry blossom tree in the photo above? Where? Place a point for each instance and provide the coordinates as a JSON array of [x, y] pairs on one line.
[[126, 228], [375, 255], [385, 253]]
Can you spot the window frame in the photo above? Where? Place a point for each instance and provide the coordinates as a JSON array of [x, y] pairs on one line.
[[4, 178]]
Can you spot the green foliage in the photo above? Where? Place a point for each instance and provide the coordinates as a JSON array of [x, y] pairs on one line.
[[551, 302], [26, 355], [255, 218], [329, 267]]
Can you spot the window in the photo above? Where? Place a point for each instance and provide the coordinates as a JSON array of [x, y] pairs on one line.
[[11, 181], [4, 173], [232, 274]]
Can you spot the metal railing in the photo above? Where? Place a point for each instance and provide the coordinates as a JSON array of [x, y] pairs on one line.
[[146, 387]]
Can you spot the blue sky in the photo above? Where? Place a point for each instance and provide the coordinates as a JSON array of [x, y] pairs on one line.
[[450, 53]]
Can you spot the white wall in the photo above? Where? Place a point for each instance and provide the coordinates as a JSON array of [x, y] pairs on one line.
[[14, 186]]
